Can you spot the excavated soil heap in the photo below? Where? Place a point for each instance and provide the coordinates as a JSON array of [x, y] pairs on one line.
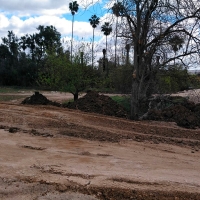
[[91, 102], [183, 112], [96, 103], [39, 99]]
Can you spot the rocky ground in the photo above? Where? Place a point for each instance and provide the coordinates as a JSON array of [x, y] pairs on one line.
[[51, 152]]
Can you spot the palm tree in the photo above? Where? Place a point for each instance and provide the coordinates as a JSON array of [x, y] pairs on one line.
[[106, 28], [176, 43], [94, 21], [73, 6], [118, 10]]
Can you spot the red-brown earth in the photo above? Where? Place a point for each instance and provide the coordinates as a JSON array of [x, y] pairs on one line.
[[51, 152]]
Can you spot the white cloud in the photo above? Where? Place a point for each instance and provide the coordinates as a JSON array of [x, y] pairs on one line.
[[4, 21], [23, 17], [41, 7], [34, 7]]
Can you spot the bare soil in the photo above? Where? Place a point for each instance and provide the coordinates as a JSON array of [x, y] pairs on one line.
[[50, 152]]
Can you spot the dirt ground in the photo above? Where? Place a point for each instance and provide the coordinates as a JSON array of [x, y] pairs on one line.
[[49, 152]]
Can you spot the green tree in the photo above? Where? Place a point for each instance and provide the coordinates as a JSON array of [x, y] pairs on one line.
[[80, 77], [47, 39], [173, 79], [39, 43], [59, 74], [23, 42], [4, 52], [12, 42], [53, 74], [94, 21], [73, 6], [31, 45]]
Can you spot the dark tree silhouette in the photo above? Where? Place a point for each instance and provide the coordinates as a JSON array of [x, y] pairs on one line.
[[117, 10], [73, 6], [106, 28], [94, 21]]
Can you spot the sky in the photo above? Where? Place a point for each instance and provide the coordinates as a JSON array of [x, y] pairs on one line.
[[23, 17]]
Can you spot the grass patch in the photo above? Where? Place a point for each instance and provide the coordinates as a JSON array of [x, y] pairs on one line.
[[11, 93], [68, 101], [10, 97], [123, 101], [13, 89]]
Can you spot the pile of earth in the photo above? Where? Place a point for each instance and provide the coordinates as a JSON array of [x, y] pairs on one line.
[[39, 99], [174, 109], [91, 102], [96, 103], [166, 108]]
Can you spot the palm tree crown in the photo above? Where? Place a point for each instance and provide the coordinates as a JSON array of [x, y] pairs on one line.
[[94, 21], [106, 28], [73, 6], [118, 9]]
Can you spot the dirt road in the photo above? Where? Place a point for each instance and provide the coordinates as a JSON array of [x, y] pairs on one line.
[[48, 152]]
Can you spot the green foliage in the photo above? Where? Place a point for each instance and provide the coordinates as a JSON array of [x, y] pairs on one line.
[[60, 74], [12, 89], [122, 78], [123, 101], [173, 79], [54, 73], [194, 81], [80, 76]]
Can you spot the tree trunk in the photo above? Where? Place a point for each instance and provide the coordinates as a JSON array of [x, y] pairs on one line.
[[72, 36], [139, 83], [106, 60], [116, 42], [134, 99], [75, 96], [93, 50]]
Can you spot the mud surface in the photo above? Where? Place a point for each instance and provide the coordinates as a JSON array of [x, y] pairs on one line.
[[49, 152]]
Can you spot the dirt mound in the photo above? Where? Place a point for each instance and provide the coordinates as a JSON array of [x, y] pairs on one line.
[[166, 108], [96, 103], [176, 109], [39, 99]]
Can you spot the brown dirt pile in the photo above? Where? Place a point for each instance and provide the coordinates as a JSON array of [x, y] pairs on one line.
[[39, 99], [96, 103], [177, 109], [171, 109]]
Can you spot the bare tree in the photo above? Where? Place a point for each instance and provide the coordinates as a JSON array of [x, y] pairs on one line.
[[150, 25]]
